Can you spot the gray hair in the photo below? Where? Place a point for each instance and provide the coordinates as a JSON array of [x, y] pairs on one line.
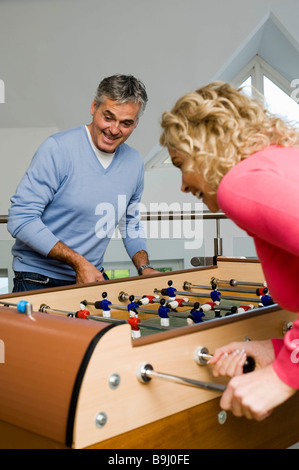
[[122, 88]]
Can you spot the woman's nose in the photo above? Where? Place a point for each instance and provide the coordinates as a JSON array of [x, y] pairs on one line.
[[185, 188]]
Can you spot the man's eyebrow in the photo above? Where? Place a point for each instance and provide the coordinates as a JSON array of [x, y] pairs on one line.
[[130, 121], [109, 112]]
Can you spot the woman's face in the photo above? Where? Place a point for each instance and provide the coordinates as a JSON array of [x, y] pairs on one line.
[[192, 180]]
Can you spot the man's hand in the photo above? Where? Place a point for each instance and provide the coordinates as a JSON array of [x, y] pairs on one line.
[[87, 272]]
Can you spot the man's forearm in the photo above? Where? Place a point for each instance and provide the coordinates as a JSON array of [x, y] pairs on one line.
[[140, 259], [85, 271], [66, 255]]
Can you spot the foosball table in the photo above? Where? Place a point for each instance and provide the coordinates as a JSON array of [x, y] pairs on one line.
[[122, 364]]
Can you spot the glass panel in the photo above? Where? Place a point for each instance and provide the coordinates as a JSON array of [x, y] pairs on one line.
[[279, 103], [4, 285], [246, 85], [167, 160], [117, 273]]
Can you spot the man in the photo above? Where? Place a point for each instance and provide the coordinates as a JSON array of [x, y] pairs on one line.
[[80, 185]]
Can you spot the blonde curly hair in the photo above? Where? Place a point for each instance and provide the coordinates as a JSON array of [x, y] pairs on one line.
[[218, 126]]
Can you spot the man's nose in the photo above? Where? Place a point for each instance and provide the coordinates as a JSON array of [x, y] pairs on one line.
[[114, 128]]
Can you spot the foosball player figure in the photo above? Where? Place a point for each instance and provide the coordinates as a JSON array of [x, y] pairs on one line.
[[196, 315], [148, 299], [105, 305], [217, 313], [134, 323], [232, 311], [171, 291], [266, 300], [83, 312], [215, 294], [173, 304], [262, 291], [133, 307], [208, 306], [133, 319], [244, 308], [163, 312]]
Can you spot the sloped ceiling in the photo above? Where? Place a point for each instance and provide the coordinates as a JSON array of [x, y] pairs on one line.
[[273, 43], [270, 40]]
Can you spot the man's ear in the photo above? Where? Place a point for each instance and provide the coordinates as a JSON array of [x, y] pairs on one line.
[[93, 107]]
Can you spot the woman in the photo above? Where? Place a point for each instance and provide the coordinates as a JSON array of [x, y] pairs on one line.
[[235, 156]]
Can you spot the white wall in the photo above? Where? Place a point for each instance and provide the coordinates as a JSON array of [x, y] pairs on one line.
[[54, 53]]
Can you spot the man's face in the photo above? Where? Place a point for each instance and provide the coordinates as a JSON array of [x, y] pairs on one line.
[[112, 123]]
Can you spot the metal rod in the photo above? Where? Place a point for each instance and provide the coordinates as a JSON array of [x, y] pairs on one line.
[[143, 310], [234, 282], [46, 309], [187, 285], [180, 215], [223, 297], [146, 372], [22, 306], [171, 215]]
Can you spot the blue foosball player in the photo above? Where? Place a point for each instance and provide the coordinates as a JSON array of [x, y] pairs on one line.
[[163, 312], [133, 307], [196, 315], [105, 305], [171, 291]]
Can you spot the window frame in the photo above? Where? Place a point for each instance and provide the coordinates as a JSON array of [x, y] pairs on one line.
[[257, 67]]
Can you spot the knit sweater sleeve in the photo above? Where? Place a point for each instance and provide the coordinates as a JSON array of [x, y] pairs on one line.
[[34, 193]]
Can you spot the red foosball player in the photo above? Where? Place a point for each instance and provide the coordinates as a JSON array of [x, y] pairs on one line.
[[134, 323], [82, 313], [148, 299], [208, 306], [173, 304], [244, 308]]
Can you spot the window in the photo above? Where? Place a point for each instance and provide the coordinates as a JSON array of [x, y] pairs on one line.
[[276, 90], [4, 288], [117, 273], [256, 75]]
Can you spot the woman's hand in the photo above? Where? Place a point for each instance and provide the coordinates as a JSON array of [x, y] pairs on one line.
[[229, 360], [254, 395]]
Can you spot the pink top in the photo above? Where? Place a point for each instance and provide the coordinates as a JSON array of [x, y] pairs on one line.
[[261, 195]]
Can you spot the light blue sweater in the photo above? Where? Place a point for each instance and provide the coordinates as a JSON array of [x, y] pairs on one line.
[[66, 195]]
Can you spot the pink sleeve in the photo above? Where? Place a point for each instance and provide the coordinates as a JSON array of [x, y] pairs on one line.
[[277, 345]]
